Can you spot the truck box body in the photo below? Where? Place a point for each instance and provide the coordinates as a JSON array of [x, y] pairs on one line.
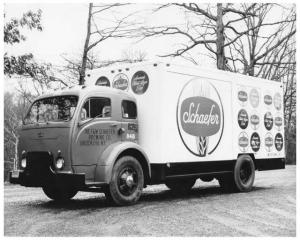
[[191, 114]]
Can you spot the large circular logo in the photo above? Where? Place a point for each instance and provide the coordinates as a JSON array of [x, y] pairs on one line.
[[200, 117], [243, 119], [255, 142], [120, 81], [268, 120], [139, 82], [103, 81], [278, 141]]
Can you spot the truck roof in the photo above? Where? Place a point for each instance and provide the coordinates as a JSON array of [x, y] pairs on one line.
[[124, 67]]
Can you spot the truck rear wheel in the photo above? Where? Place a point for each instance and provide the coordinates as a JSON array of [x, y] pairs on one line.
[[59, 194], [180, 185], [242, 178], [127, 181], [244, 173]]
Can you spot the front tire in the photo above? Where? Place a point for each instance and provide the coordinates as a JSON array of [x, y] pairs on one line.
[[127, 181], [59, 194]]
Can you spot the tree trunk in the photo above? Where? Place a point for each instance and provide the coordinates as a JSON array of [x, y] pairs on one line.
[[220, 38], [86, 47], [16, 154]]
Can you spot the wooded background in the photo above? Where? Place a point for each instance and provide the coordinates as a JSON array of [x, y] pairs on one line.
[[244, 38]]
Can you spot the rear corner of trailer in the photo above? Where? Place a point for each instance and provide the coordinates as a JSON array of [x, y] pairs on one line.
[[259, 121]]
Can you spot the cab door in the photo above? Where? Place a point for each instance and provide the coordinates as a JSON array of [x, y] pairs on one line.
[[95, 131], [129, 121]]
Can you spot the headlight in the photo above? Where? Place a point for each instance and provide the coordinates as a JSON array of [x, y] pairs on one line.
[[60, 163], [23, 163]]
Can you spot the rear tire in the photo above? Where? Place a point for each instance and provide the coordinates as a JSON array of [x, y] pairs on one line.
[[59, 194], [180, 185], [242, 178], [127, 182], [244, 173]]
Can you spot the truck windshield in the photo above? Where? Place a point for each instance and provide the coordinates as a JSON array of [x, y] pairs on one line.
[[57, 109]]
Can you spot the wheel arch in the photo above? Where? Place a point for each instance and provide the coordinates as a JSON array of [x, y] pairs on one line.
[[250, 155], [113, 153]]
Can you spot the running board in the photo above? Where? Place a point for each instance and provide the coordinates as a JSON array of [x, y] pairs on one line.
[[193, 175]]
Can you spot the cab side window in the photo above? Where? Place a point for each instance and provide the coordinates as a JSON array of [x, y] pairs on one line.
[[96, 107], [129, 109]]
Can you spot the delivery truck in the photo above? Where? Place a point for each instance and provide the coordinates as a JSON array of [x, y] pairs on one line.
[[151, 123]]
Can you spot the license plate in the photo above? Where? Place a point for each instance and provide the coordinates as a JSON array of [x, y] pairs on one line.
[[15, 174]]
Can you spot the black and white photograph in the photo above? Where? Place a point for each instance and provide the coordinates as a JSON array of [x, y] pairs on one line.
[[149, 119]]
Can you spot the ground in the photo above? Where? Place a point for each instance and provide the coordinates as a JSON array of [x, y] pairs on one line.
[[268, 210]]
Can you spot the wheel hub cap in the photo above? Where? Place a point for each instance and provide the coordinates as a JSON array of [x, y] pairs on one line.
[[129, 180]]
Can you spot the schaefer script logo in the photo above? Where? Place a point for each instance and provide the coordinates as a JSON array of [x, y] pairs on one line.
[[200, 117]]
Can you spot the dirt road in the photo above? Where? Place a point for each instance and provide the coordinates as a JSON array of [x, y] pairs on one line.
[[269, 210]]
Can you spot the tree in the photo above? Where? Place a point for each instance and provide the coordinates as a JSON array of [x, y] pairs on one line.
[[208, 30], [24, 64], [70, 71], [14, 110], [96, 35], [268, 46]]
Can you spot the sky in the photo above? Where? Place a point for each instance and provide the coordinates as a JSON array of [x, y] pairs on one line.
[[64, 32]]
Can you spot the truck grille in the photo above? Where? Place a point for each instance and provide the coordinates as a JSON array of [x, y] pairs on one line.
[[38, 164]]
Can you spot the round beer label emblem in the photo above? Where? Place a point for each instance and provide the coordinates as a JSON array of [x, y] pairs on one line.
[[242, 96], [268, 100], [243, 141], [278, 142], [120, 81], [255, 142], [254, 97], [140, 82], [103, 81], [278, 121], [243, 119], [277, 101], [254, 120], [200, 117], [268, 142], [268, 120]]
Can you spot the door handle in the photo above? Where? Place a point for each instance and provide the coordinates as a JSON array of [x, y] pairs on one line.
[[113, 124]]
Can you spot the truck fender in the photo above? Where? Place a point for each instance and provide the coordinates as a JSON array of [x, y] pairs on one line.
[[112, 153]]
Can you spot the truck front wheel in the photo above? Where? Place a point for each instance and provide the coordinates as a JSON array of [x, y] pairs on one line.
[[59, 194], [127, 181], [180, 185]]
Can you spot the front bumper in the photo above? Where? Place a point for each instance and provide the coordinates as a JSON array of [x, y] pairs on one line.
[[58, 179]]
